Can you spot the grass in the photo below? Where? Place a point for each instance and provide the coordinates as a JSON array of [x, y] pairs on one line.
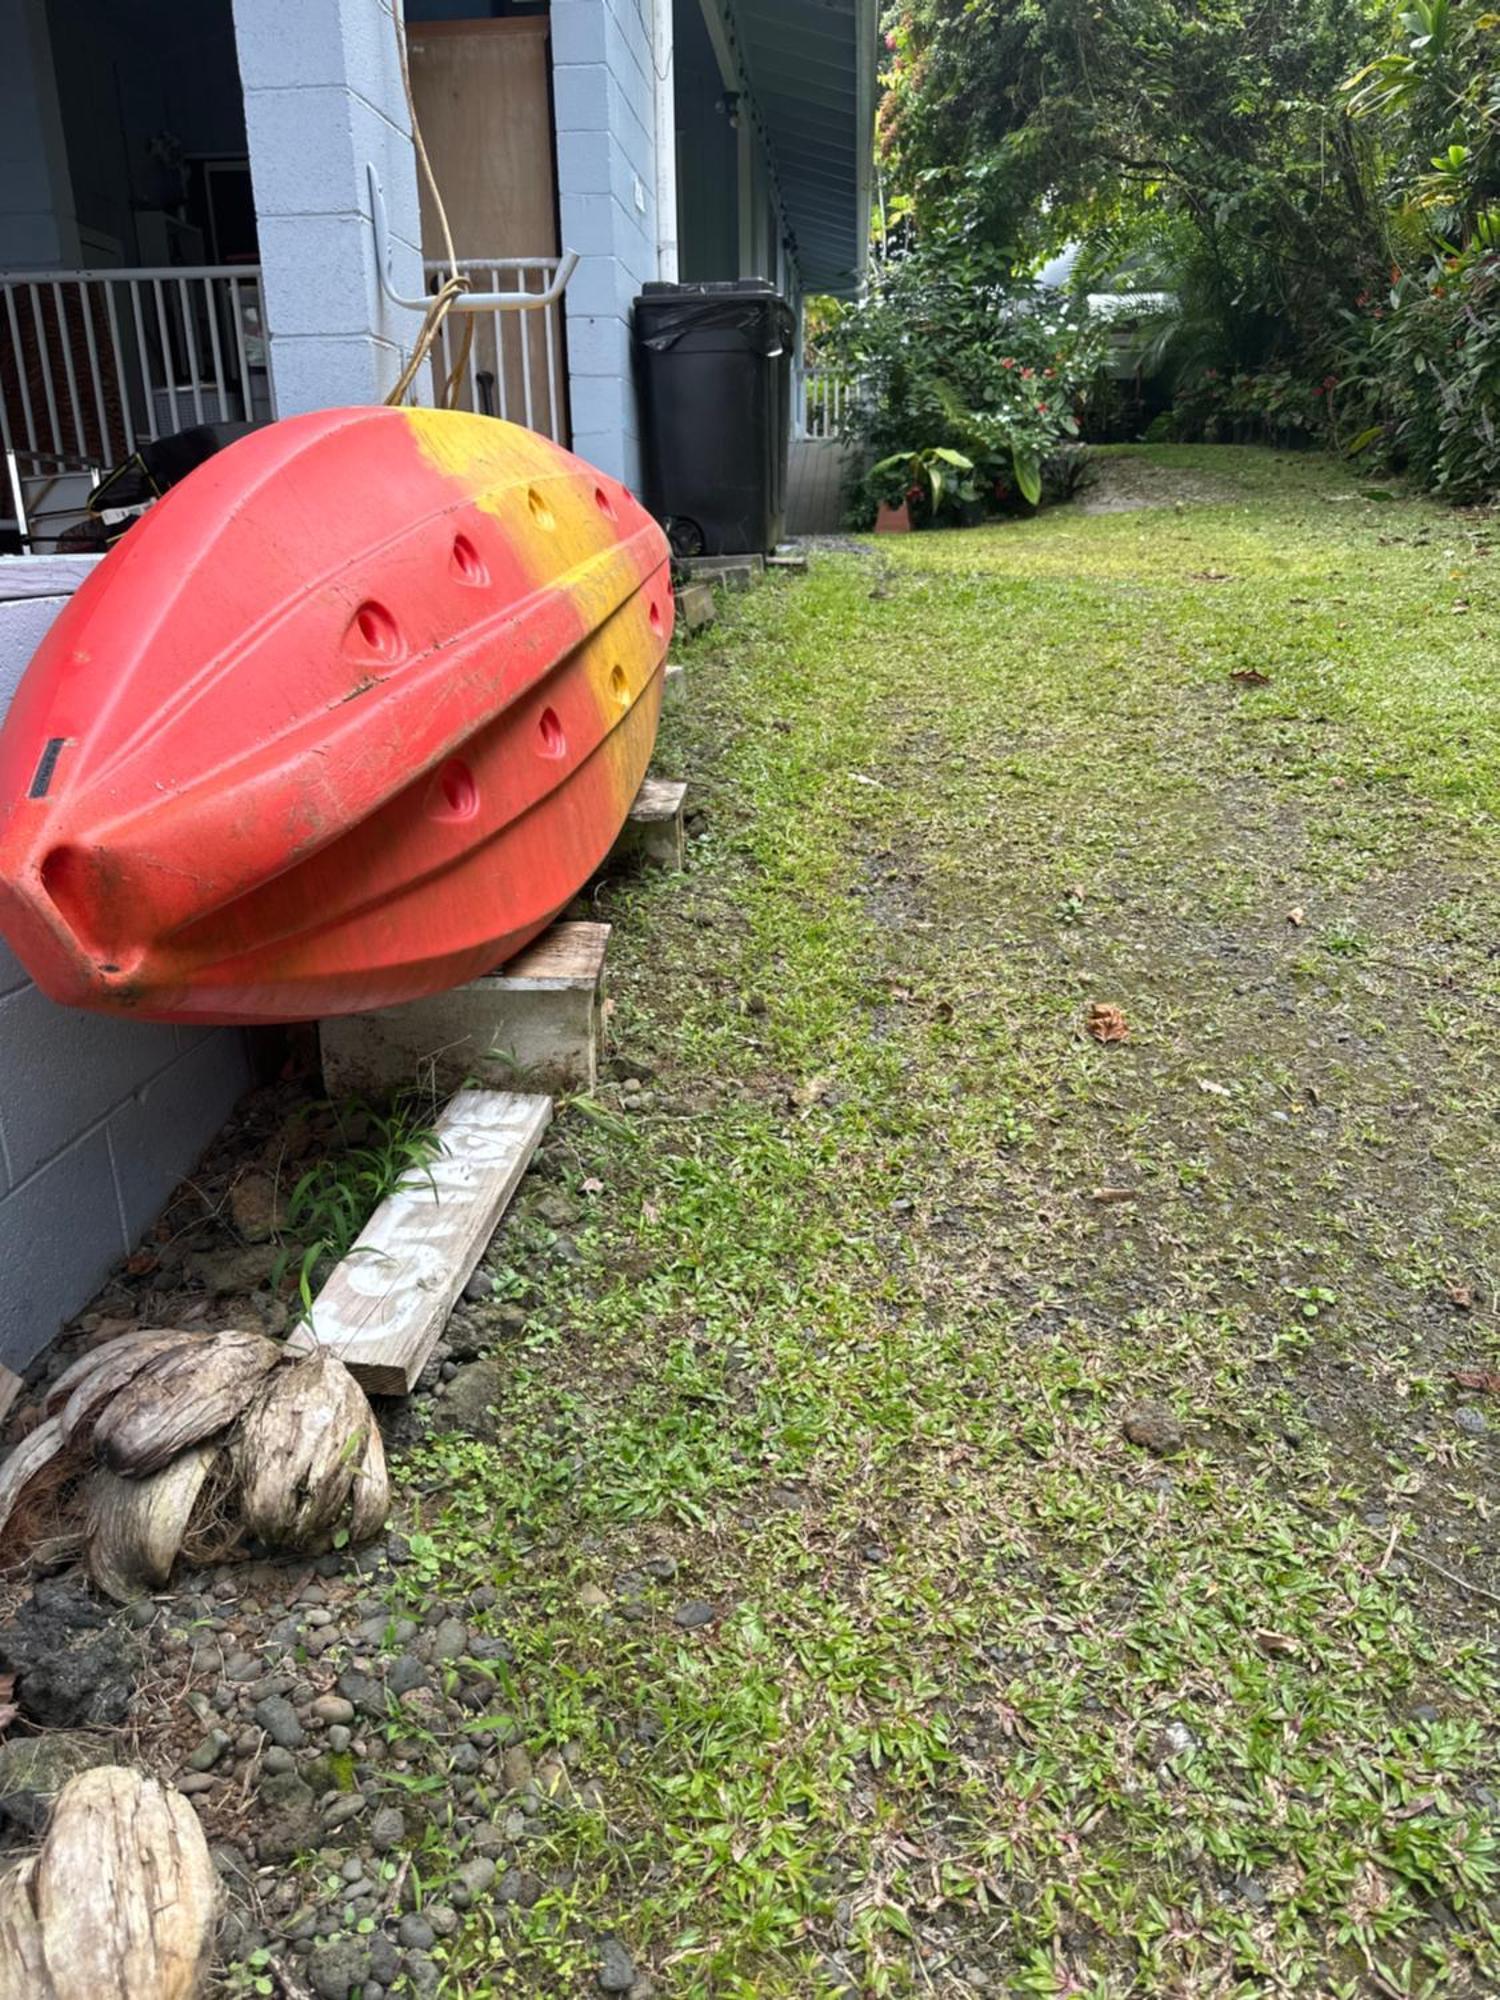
[[851, 1307]]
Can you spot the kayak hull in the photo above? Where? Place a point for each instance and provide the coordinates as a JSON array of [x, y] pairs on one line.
[[346, 719]]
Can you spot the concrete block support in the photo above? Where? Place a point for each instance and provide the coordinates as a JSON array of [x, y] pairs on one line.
[[604, 94], [99, 1119], [323, 98]]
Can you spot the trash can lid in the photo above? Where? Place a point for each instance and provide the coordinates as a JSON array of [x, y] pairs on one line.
[[657, 288]]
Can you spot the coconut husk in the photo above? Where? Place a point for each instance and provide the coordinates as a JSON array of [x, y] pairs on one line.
[[96, 1376], [136, 1527], [298, 1450], [120, 1904], [180, 1397], [23, 1970], [31, 1457], [38, 1495], [370, 1502]]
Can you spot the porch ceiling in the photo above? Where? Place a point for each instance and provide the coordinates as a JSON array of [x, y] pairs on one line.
[[812, 69]]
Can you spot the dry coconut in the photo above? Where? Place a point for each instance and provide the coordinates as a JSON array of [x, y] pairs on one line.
[[180, 1397], [167, 1445], [299, 1450], [121, 1903]]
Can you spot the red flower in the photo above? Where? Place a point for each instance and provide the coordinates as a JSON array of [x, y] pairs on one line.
[[1319, 390], [913, 493], [1027, 373], [1049, 373], [1041, 409], [1007, 363], [890, 41]]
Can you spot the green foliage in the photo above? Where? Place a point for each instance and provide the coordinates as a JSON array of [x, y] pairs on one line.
[[334, 1199], [1272, 406], [960, 369], [923, 475], [1278, 169], [1420, 363]]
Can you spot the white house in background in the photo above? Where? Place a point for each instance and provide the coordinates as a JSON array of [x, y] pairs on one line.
[[186, 224], [186, 235]]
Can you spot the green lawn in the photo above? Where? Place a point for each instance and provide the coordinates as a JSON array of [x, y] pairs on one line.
[[850, 1311]]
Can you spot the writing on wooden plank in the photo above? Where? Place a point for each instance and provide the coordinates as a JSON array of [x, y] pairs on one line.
[[385, 1306]]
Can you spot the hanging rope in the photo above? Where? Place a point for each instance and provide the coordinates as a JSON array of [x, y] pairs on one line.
[[455, 284]]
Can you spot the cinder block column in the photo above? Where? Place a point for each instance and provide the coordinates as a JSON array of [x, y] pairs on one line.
[[603, 86], [323, 96]]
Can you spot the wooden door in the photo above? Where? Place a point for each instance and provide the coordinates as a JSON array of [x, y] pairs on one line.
[[482, 91]]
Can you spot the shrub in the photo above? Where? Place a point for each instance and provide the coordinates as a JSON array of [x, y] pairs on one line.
[[1419, 376], [951, 354]]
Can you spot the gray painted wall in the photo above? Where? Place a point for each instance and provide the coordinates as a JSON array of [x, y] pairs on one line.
[[99, 1119]]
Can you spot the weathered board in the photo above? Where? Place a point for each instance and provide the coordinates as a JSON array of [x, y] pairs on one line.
[[384, 1308], [538, 1022]]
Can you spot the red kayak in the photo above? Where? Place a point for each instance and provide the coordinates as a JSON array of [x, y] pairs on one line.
[[347, 718]]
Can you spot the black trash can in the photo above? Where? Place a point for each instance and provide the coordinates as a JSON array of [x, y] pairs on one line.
[[714, 367]]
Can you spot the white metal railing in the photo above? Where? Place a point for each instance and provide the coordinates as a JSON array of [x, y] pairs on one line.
[[824, 403], [512, 366], [95, 363]]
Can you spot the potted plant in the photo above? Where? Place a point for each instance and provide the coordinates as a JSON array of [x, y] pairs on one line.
[[909, 479]]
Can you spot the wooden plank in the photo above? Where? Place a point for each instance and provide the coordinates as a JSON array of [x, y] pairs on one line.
[[794, 564], [540, 1020], [674, 686], [384, 1308], [43, 576], [566, 955]]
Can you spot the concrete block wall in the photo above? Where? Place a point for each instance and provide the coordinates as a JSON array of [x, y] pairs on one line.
[[324, 97], [603, 86], [99, 1119]]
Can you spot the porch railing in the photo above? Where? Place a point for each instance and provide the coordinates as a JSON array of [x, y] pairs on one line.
[[95, 363], [824, 403], [512, 363]]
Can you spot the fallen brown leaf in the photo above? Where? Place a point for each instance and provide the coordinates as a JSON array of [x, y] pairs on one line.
[[1461, 1296], [1274, 1642], [1107, 1023], [1486, 1380], [1296, 916], [1112, 1194], [1423, 1803], [1250, 677]]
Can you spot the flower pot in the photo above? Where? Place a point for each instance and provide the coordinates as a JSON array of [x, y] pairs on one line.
[[893, 520]]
